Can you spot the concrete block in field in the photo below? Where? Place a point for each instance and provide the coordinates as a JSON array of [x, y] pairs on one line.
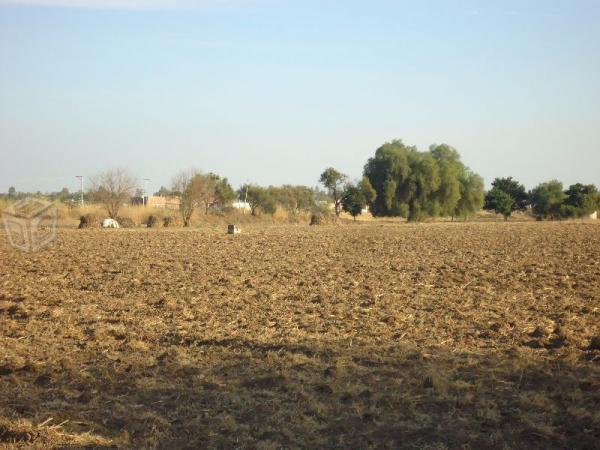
[[232, 229]]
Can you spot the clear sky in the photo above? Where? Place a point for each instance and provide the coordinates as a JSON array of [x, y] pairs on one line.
[[274, 91]]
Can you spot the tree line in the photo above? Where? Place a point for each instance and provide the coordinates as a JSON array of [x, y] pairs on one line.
[[548, 200], [401, 181], [398, 181]]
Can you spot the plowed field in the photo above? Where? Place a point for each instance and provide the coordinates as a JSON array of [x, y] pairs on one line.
[[354, 336]]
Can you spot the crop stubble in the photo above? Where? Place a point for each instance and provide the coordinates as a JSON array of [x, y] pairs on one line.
[[355, 336]]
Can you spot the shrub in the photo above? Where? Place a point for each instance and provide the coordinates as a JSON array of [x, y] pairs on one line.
[[89, 221], [153, 222], [171, 221], [125, 222], [316, 219]]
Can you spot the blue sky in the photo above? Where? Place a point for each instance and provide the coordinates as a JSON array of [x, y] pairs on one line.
[[274, 91]]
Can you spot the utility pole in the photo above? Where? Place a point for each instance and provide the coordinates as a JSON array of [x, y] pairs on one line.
[[80, 189], [144, 193]]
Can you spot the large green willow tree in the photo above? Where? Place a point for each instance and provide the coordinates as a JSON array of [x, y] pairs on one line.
[[418, 185]]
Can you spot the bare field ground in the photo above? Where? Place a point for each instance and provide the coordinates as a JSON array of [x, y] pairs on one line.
[[358, 336]]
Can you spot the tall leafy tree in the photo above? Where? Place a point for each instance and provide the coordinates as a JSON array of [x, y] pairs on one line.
[[451, 169], [368, 190], [512, 188], [581, 200], [471, 195], [417, 185], [334, 183], [424, 182], [547, 199], [388, 173], [224, 193]]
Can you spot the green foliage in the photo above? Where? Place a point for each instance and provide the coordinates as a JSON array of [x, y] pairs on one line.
[[353, 200], [294, 199], [320, 195], [512, 188], [547, 200], [416, 185], [500, 202], [515, 189], [581, 200], [334, 182], [224, 193], [471, 195], [259, 199], [569, 211], [450, 169], [12, 192], [367, 190], [322, 209]]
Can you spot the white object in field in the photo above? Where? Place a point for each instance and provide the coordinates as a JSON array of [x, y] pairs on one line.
[[110, 223], [594, 215], [241, 205], [232, 229]]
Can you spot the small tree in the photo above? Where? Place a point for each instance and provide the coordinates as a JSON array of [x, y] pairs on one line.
[[113, 188], [510, 187], [224, 193], [581, 200], [515, 189], [12, 192], [547, 199], [353, 200], [500, 202], [196, 190], [334, 182], [259, 199], [293, 198]]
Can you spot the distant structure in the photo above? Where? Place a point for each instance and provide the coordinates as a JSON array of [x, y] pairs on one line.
[[241, 205], [594, 215], [155, 201]]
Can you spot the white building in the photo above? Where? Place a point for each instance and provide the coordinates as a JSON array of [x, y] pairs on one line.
[[241, 205]]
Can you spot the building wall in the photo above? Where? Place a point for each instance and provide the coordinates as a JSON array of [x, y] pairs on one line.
[[163, 202]]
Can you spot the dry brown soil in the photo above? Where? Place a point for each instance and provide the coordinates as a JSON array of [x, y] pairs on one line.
[[354, 336]]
